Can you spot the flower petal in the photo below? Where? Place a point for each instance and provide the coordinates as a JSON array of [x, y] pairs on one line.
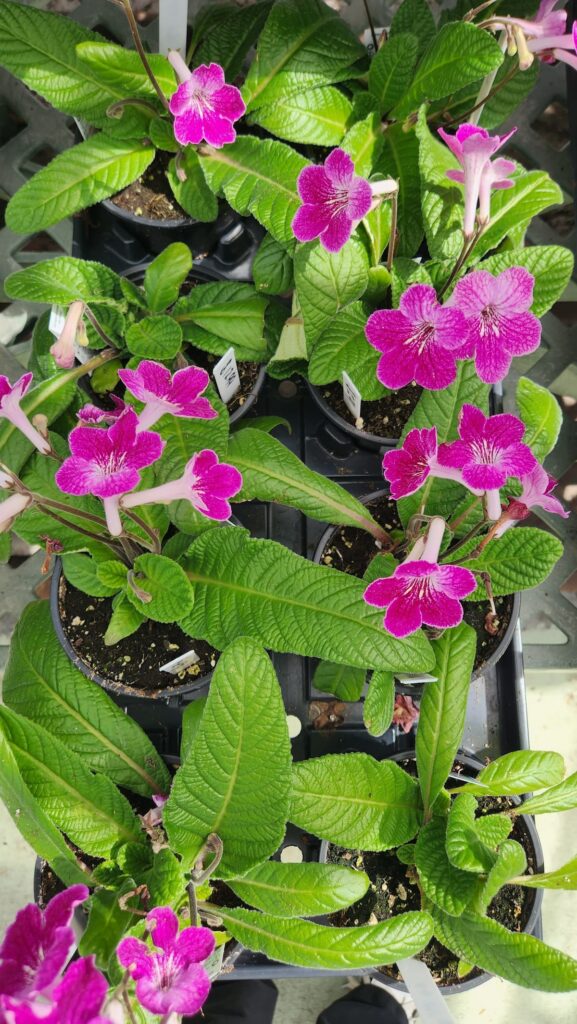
[[403, 617], [162, 924], [309, 222], [313, 185], [418, 302], [189, 128], [360, 199], [338, 232], [381, 592], [194, 945], [339, 168], [442, 611], [229, 102], [136, 957], [455, 581], [186, 994], [217, 130], [386, 329]]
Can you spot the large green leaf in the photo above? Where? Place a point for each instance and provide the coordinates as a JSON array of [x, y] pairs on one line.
[[225, 33], [391, 70], [42, 684], [300, 890], [315, 116], [551, 266], [307, 944], [165, 275], [293, 55], [541, 414], [510, 861], [258, 177], [243, 726], [445, 885], [465, 848], [161, 589], [216, 316], [441, 198], [327, 282], [364, 142], [272, 268], [564, 877], [532, 193], [460, 53], [509, 93], [518, 772], [107, 922], [415, 16], [271, 472], [562, 797], [400, 160], [258, 588], [154, 337], [379, 703], [193, 194], [515, 956], [87, 808], [342, 345], [519, 560], [356, 801], [122, 70], [64, 280], [79, 177], [343, 681], [443, 709]]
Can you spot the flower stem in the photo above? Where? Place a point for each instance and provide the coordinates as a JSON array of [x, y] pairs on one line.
[[463, 117], [393, 236], [99, 330], [79, 529], [148, 530], [468, 246], [191, 890], [140, 49], [464, 540], [487, 85], [461, 519], [371, 25]]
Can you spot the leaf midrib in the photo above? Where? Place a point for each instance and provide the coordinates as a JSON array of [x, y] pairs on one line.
[[219, 157], [286, 57]]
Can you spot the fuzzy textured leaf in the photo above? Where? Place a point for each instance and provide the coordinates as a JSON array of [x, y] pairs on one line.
[[300, 890], [124, 621], [364, 142], [532, 192], [154, 337], [562, 797], [314, 116], [465, 848], [169, 592], [343, 681], [391, 70], [216, 316], [81, 571], [272, 268], [400, 160], [227, 34], [342, 345], [441, 198], [193, 194], [415, 16], [564, 877], [550, 265], [165, 275], [519, 560], [511, 861], [379, 703], [447, 886], [541, 413], [519, 772], [64, 280], [122, 70], [327, 282]]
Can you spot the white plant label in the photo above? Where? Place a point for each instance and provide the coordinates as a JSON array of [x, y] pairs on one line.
[[57, 320], [226, 376], [351, 396], [181, 663]]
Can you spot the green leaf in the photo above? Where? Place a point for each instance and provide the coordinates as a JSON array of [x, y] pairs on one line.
[[272, 268], [342, 345], [517, 957], [532, 192], [79, 177], [441, 198], [124, 621], [443, 709], [460, 53], [159, 588], [243, 586], [165, 879], [307, 944], [364, 142], [122, 70], [161, 134], [88, 808], [107, 923], [519, 560], [404, 273], [355, 801], [193, 194], [510, 861], [216, 316], [64, 280], [517, 773], [447, 886], [564, 877], [271, 472], [415, 16], [377, 225], [42, 684], [509, 95], [292, 53], [541, 414], [344, 682], [391, 70], [154, 337], [493, 829], [400, 160], [379, 703], [33, 823], [227, 35], [300, 890], [550, 265], [465, 848], [562, 797], [191, 719], [315, 116], [242, 728], [80, 571], [112, 574], [165, 275], [327, 282], [258, 177]]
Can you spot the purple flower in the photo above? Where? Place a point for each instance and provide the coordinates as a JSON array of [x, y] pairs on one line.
[[474, 147], [420, 341], [405, 712], [537, 493], [77, 999], [334, 199], [206, 483], [38, 943], [204, 107], [544, 36], [421, 592], [106, 463], [489, 451], [407, 468], [164, 393], [10, 397], [499, 323], [63, 347], [92, 414], [172, 981]]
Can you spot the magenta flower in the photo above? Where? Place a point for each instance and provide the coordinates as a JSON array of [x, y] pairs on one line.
[[407, 468], [106, 463], [405, 712], [420, 593], [489, 451], [172, 981], [206, 483], [334, 199], [420, 341], [77, 999], [474, 147], [92, 414], [204, 106], [499, 323], [63, 347], [537, 493], [164, 393], [38, 944], [10, 397], [543, 36]]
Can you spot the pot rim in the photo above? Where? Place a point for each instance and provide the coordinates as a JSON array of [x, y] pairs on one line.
[[362, 437]]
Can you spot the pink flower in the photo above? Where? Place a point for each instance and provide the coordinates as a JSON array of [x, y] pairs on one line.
[[10, 397], [106, 463], [544, 36], [204, 107], [489, 451], [474, 147], [536, 493], [420, 341], [405, 713], [77, 999], [206, 483], [499, 323], [38, 944], [92, 414], [12, 507], [334, 199], [421, 592], [163, 393], [407, 468], [63, 347], [172, 981]]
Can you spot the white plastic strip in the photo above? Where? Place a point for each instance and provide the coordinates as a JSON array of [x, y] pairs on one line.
[[172, 22], [427, 998]]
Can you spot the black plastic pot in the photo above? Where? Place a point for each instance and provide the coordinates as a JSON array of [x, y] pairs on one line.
[[535, 896], [508, 634], [360, 438]]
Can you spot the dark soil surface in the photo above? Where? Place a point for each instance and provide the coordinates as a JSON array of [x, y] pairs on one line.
[[248, 373], [151, 195], [394, 890], [351, 550], [384, 418], [134, 662]]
